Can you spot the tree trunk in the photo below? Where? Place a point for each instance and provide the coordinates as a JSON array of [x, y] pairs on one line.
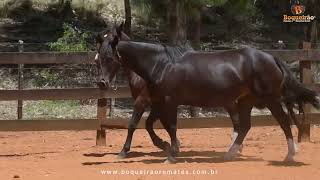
[[127, 25], [311, 29], [177, 32], [177, 23], [314, 32], [195, 40], [196, 30]]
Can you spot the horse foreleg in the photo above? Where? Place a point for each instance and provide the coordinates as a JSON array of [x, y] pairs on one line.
[[244, 127], [136, 116], [284, 121]]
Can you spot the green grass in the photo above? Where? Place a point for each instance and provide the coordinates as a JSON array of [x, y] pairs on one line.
[[59, 109]]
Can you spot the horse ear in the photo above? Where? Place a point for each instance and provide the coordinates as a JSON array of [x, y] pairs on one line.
[[99, 40], [119, 29], [115, 41]]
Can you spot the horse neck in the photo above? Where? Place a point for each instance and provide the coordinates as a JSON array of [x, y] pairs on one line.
[[144, 59], [130, 74]]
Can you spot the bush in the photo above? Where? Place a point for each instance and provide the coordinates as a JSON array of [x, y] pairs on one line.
[[72, 40], [16, 9]]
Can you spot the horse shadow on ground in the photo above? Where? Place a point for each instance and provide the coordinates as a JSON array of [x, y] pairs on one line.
[[28, 154], [98, 154], [184, 157], [287, 164], [134, 154]]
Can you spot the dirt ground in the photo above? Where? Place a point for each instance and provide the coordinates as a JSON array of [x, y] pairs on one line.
[[68, 155]]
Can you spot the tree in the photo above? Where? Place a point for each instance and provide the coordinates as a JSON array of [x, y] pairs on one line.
[[177, 18], [312, 8], [127, 25], [176, 13]]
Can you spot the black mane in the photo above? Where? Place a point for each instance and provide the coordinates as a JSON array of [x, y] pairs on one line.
[[175, 52]]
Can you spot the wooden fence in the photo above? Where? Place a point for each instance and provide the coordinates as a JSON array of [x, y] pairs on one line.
[[102, 122]]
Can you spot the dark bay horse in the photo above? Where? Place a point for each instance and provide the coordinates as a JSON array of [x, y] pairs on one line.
[[237, 80], [139, 92]]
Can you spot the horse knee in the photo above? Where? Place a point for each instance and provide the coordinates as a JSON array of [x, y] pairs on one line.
[[149, 128], [132, 126], [173, 128], [149, 122], [141, 103], [246, 127], [149, 125], [133, 123]]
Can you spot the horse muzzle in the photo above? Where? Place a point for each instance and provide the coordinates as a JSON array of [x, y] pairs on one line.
[[103, 84]]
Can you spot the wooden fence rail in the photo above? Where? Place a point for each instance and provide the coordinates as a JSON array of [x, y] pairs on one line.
[[63, 94], [88, 57], [102, 122]]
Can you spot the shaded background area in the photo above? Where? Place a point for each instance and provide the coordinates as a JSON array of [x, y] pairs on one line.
[[70, 25]]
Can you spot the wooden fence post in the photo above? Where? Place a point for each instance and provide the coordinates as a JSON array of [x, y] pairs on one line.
[[20, 81], [305, 78], [101, 115]]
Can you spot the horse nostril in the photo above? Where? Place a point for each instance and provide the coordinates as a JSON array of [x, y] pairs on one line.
[[103, 83]]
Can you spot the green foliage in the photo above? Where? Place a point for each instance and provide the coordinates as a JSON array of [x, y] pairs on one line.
[[151, 8], [16, 8], [194, 6], [240, 7], [72, 40], [201, 3]]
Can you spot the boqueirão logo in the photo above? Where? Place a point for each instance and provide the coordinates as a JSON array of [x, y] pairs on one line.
[[297, 10]]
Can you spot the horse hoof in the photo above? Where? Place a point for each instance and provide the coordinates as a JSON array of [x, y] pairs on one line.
[[240, 149], [289, 159], [229, 157], [122, 155], [166, 146], [178, 143], [170, 160], [174, 153], [232, 153]]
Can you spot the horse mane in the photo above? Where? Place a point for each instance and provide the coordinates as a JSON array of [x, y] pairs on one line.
[[175, 52]]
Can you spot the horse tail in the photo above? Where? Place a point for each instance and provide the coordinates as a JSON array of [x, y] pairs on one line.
[[295, 93]]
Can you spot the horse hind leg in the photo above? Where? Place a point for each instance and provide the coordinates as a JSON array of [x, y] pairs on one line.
[[234, 115], [168, 118], [244, 127], [284, 121], [156, 140]]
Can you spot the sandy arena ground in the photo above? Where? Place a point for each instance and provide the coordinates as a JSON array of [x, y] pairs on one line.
[[68, 155]]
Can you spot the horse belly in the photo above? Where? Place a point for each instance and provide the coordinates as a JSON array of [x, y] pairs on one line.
[[209, 84], [207, 97]]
